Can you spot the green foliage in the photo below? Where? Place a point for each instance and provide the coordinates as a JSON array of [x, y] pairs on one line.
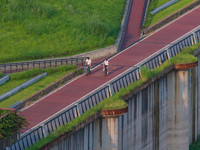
[[11, 123], [1, 74], [36, 71], [152, 19], [33, 29]]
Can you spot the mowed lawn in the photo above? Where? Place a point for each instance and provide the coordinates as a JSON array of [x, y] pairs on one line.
[[34, 29], [153, 19]]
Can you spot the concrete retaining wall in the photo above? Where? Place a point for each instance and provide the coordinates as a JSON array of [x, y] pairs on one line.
[[162, 114]]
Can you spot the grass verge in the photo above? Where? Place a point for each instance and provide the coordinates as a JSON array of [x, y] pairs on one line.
[[38, 29], [153, 19], [53, 74], [116, 101]]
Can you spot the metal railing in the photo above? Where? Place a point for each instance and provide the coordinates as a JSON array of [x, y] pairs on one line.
[[176, 48], [28, 140], [104, 92], [157, 60], [125, 80], [21, 66], [60, 120]]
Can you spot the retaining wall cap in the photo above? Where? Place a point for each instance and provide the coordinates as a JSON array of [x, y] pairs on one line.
[[185, 66], [16, 105], [114, 112]]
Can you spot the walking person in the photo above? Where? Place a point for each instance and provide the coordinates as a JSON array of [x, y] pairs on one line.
[[88, 62], [105, 66]]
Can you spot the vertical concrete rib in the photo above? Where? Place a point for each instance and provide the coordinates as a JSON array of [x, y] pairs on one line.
[[178, 110]]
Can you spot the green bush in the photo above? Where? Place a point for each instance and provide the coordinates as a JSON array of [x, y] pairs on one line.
[[11, 123]]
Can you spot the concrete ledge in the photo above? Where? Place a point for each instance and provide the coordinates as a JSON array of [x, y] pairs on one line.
[[114, 112], [170, 18], [16, 105], [21, 86], [4, 79], [185, 66], [110, 50], [163, 6]]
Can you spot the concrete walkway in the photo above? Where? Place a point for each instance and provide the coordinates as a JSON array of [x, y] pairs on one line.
[[73, 91]]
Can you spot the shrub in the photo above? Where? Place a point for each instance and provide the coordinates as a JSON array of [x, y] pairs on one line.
[[11, 123]]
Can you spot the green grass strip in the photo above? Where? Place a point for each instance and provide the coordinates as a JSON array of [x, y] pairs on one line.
[[153, 19], [116, 101], [53, 74]]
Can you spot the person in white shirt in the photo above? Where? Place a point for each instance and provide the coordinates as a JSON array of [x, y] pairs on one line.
[[105, 66], [88, 62]]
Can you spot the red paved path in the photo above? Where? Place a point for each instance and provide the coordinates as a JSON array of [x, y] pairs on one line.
[[132, 32], [134, 54]]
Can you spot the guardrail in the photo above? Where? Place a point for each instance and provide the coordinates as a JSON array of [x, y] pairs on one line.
[[26, 65], [163, 55]]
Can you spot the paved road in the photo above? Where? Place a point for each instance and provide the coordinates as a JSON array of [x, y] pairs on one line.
[[131, 56], [132, 32]]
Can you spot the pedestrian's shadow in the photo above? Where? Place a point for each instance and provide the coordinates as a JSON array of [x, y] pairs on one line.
[[110, 71], [97, 70], [116, 69]]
